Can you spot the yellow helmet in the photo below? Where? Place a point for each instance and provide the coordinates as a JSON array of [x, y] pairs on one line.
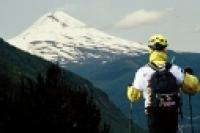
[[157, 42]]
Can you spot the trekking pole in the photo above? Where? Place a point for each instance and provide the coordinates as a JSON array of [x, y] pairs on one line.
[[172, 60], [130, 116], [190, 71], [191, 115]]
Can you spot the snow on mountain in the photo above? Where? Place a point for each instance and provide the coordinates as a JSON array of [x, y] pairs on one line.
[[58, 36]]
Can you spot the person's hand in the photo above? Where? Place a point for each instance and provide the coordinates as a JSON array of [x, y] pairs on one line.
[[188, 70], [190, 84], [133, 94]]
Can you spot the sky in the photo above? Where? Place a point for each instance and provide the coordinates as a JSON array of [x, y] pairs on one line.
[[135, 20]]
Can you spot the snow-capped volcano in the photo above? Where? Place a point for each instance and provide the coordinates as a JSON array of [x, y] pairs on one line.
[[58, 36]]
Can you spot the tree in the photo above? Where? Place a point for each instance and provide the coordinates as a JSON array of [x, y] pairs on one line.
[[49, 104]]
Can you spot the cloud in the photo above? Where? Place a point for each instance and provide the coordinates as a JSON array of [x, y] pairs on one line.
[[141, 17], [197, 28]]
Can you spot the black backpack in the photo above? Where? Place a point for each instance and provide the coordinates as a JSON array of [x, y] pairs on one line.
[[164, 88]]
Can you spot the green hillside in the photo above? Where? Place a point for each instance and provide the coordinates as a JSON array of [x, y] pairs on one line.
[[18, 66]]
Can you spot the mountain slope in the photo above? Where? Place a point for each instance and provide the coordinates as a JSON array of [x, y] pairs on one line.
[[31, 65], [114, 77]]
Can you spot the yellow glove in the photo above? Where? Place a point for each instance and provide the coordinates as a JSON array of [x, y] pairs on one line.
[[133, 94], [198, 88], [190, 84]]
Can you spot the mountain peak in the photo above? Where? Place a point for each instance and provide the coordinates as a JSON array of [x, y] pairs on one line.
[[57, 35], [65, 19], [59, 18]]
